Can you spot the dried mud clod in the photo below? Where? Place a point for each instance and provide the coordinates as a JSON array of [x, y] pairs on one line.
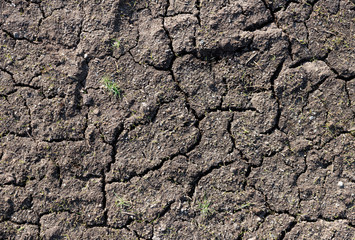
[[177, 119]]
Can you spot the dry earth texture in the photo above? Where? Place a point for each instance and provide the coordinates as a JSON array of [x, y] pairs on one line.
[[177, 119]]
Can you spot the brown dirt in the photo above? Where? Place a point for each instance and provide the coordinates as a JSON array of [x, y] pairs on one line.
[[231, 119]]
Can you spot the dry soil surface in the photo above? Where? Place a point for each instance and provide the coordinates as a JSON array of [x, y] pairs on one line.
[[177, 119]]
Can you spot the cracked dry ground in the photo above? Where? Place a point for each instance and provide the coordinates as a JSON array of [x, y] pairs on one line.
[[235, 120]]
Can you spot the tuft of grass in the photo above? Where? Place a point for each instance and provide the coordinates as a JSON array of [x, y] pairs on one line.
[[111, 86], [121, 202], [205, 208]]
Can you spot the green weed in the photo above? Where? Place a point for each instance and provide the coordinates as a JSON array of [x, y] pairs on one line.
[[120, 202], [111, 86], [205, 208], [116, 43]]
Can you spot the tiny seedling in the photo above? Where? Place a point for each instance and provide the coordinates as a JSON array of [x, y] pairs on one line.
[[111, 86], [116, 43], [246, 205]]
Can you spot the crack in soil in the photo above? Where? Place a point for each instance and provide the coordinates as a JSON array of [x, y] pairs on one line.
[[274, 95], [197, 178]]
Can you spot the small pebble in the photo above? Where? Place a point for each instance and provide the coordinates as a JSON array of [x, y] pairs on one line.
[[9, 179], [96, 111], [340, 184]]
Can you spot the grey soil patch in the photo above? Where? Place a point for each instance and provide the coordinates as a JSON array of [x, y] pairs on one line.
[[177, 119]]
